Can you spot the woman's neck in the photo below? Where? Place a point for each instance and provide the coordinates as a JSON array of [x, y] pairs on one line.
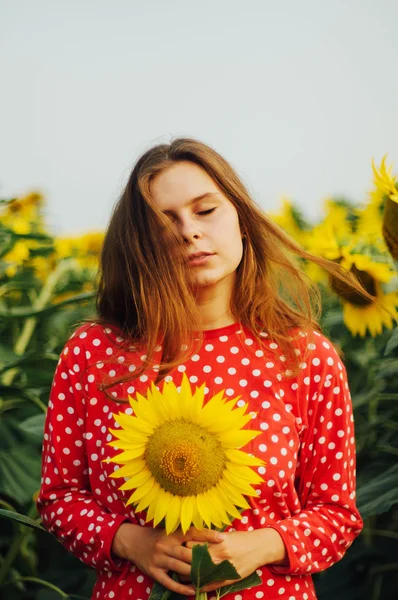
[[214, 307], [216, 322]]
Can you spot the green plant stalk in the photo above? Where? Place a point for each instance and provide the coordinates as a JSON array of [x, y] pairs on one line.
[[387, 448], [367, 533], [42, 582], [36, 401], [15, 546], [385, 533], [384, 568], [377, 587], [7, 505], [11, 555], [10, 404], [23, 312], [30, 323], [372, 415]]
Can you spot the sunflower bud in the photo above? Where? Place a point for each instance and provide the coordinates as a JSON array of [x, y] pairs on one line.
[[390, 226], [349, 294]]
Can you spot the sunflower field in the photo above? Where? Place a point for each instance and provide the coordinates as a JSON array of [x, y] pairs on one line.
[[47, 285]]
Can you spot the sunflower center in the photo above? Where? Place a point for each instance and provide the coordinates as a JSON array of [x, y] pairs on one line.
[[184, 458], [180, 463], [350, 295]]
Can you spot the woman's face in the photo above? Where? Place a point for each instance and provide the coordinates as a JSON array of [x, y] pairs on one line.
[[206, 219]]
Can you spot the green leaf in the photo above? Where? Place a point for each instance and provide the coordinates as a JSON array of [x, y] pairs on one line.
[[20, 463], [6, 353], [379, 494], [31, 357], [34, 426], [159, 592], [14, 516], [204, 571], [248, 582], [334, 317], [19, 475], [392, 342]]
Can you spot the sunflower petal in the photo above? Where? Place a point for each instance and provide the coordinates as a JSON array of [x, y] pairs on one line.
[[128, 444], [237, 439], [148, 498], [233, 494], [217, 504], [142, 490], [197, 519], [125, 457], [173, 514], [130, 469], [197, 402], [186, 398], [159, 404], [244, 472], [243, 486], [241, 458], [187, 510], [162, 506], [231, 420], [203, 509], [151, 510], [230, 508], [145, 412], [137, 480]]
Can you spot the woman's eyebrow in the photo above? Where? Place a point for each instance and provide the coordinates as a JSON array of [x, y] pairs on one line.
[[193, 200]]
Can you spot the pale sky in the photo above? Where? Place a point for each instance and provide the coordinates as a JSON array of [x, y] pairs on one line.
[[297, 95]]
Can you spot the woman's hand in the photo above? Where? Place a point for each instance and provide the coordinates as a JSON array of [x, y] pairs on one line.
[[156, 553], [247, 551]]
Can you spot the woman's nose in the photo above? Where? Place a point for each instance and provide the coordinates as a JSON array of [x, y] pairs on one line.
[[189, 230]]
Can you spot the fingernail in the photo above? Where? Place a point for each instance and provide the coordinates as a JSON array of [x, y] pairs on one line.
[[221, 536]]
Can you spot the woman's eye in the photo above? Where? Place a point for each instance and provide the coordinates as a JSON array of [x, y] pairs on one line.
[[206, 212]]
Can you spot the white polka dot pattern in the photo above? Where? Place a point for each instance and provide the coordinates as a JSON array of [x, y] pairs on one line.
[[306, 440]]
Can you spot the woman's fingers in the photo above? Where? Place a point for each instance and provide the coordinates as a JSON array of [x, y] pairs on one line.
[[192, 544], [182, 553], [173, 564], [172, 585], [205, 535], [217, 584]]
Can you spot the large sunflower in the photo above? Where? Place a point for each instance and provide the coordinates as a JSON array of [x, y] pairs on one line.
[[182, 458], [359, 313]]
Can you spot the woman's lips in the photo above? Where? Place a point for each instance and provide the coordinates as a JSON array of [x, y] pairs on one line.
[[199, 259]]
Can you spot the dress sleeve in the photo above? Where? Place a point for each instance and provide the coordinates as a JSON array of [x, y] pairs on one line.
[[65, 502], [328, 520]]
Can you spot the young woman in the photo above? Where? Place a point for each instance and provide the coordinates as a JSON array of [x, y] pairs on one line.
[[196, 280]]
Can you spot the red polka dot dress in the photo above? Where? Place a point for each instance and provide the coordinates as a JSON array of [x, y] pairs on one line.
[[307, 441]]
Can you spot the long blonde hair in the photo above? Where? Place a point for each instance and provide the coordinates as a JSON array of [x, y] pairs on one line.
[[143, 288]]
